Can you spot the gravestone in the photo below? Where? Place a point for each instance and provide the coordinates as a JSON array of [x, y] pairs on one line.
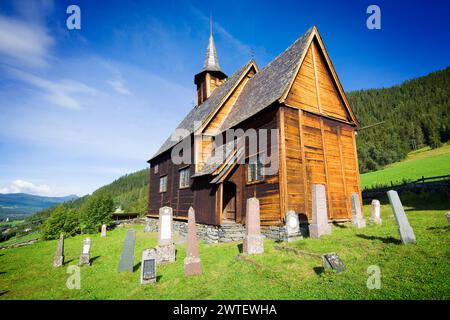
[[192, 264], [319, 225], [332, 261], [357, 218], [126, 262], [103, 231], [448, 217], [292, 226], [166, 248], [148, 266], [404, 228], [58, 261], [253, 241], [85, 253], [375, 217]]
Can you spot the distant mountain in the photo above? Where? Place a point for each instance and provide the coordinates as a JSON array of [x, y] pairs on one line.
[[21, 205]]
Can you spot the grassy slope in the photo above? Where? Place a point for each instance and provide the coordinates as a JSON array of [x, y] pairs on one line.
[[412, 271], [424, 162]]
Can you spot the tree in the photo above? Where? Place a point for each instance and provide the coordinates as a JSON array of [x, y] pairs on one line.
[[96, 211], [62, 220]]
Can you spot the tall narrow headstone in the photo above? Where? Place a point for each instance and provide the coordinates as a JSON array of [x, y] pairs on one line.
[[58, 261], [448, 217], [357, 218], [292, 226], [319, 225], [166, 248], [148, 266], [404, 228], [126, 262], [375, 217], [103, 231], [192, 264], [86, 253], [253, 241]]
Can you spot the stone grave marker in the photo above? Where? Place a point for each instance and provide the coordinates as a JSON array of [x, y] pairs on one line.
[[58, 261], [404, 228], [126, 262], [166, 248], [375, 217], [448, 217], [319, 225], [253, 241], [103, 234], [192, 265], [357, 218], [332, 261], [148, 266], [85, 257], [292, 226], [147, 227]]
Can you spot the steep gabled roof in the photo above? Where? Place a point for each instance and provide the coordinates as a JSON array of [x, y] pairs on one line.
[[269, 84], [199, 114]]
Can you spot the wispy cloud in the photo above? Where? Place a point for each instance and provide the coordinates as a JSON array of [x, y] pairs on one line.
[[61, 92], [24, 43], [118, 85], [21, 186]]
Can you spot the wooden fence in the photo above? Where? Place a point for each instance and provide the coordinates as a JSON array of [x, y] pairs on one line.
[[429, 184]]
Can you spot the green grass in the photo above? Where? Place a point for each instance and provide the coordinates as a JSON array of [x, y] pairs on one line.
[[424, 162], [418, 271], [16, 239]]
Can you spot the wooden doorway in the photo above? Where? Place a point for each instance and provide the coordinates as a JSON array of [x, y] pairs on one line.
[[229, 201]]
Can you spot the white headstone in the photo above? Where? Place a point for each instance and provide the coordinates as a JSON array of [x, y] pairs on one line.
[[103, 231], [148, 266], [319, 225], [404, 228], [375, 217], [166, 248], [292, 226], [357, 218], [448, 217], [85, 253]]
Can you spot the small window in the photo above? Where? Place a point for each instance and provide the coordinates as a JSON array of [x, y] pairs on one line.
[[163, 184], [184, 178], [156, 169], [254, 169]]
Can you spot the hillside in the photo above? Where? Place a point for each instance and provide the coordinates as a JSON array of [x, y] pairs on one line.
[[21, 205], [129, 191], [423, 162], [415, 114]]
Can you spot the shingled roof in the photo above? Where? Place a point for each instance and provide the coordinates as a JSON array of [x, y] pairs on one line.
[[263, 89], [199, 114]]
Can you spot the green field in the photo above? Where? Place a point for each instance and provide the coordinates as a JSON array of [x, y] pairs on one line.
[[418, 271], [424, 162]]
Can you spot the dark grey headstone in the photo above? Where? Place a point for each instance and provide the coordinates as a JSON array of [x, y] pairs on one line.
[[332, 261], [126, 262], [404, 228]]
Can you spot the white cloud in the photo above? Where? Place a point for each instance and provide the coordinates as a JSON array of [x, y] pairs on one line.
[[24, 43], [118, 85], [21, 186], [60, 93]]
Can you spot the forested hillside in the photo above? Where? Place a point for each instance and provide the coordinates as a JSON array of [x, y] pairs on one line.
[[415, 114], [129, 191]]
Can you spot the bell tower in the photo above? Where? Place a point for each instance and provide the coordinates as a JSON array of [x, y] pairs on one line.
[[211, 75]]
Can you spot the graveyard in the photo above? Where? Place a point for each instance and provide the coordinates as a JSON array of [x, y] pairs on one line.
[[411, 271]]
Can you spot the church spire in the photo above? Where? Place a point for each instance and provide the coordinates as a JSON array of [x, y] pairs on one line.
[[211, 75], [211, 59]]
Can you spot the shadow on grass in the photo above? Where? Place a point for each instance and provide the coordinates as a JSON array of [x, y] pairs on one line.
[[137, 266], [93, 259], [382, 239], [442, 229], [433, 200], [68, 261], [340, 225], [158, 278], [3, 292], [319, 270], [240, 247], [2, 272]]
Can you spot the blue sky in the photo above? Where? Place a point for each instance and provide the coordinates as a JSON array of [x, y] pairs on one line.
[[79, 108]]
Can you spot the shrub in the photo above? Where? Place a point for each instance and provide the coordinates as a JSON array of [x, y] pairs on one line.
[[96, 211], [62, 220]]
